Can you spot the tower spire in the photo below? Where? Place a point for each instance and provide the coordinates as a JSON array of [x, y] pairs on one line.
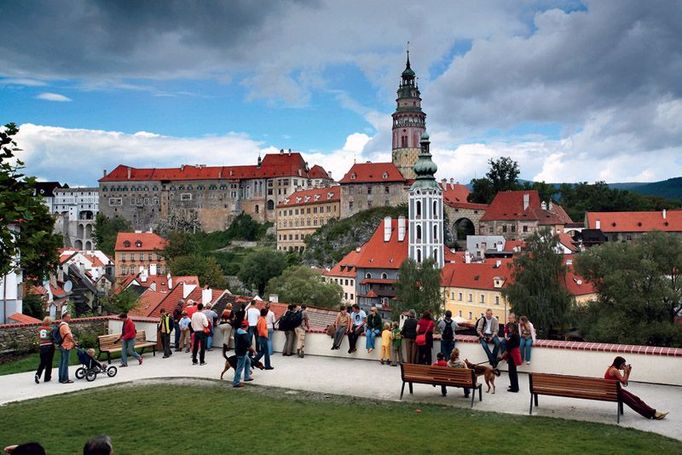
[[408, 55]]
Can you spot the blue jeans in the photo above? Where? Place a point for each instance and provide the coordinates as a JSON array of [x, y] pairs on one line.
[[262, 348], [526, 344], [176, 328], [252, 333], [64, 365], [446, 347], [209, 341], [492, 356], [271, 333], [370, 335], [128, 349], [243, 364]]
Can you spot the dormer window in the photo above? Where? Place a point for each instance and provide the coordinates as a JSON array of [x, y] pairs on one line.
[[385, 176], [126, 244], [330, 195], [138, 244], [353, 176]]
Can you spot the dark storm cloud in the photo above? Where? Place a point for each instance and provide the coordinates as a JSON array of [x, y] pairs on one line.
[[129, 38]]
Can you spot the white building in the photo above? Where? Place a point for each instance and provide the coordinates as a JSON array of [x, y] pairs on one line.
[[75, 210], [426, 210], [10, 287]]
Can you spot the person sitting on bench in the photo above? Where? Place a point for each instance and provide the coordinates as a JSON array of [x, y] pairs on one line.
[[633, 401]]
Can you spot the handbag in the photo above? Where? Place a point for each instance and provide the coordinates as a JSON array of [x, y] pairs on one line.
[[420, 340]]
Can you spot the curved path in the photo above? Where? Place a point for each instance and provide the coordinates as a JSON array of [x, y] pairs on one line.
[[370, 379]]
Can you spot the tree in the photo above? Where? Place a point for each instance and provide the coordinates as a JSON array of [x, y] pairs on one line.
[[121, 302], [640, 291], [536, 290], [502, 176], [35, 243], [106, 230], [418, 288], [205, 267], [32, 305], [303, 285], [260, 266]]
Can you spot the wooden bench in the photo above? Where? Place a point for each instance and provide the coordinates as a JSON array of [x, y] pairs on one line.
[[107, 344], [442, 376], [574, 387]]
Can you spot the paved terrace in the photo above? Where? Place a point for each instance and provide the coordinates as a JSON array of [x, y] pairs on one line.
[[363, 378]]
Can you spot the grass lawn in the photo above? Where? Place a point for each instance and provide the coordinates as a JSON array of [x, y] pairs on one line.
[[207, 417]]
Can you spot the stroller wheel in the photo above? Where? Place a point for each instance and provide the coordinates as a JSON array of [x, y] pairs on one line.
[[111, 371], [90, 375], [80, 373]]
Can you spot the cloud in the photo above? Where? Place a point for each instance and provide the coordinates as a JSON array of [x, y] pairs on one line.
[[24, 81], [48, 96]]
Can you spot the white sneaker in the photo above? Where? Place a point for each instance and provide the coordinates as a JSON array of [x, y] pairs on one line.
[[528, 363]]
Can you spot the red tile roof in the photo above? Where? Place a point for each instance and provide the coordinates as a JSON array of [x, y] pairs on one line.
[[575, 284], [273, 165], [567, 241], [456, 195], [148, 301], [635, 221], [477, 275], [345, 267], [20, 318], [143, 241], [509, 245], [372, 173], [318, 172], [312, 196], [378, 254], [508, 205]]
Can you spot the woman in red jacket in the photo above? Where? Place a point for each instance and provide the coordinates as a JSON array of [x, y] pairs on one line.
[[424, 338], [128, 333]]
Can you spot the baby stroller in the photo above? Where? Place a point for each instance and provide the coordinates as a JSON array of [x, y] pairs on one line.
[[91, 368]]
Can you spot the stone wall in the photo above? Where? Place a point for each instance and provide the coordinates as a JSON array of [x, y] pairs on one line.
[[19, 338]]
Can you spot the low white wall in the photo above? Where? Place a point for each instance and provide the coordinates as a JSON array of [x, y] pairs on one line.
[[115, 326]]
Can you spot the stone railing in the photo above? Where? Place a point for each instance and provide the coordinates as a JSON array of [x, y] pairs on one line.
[[21, 338]]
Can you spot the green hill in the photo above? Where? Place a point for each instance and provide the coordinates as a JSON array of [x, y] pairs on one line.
[[669, 189]]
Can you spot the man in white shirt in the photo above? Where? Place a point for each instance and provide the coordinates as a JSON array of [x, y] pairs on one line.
[[252, 315], [487, 328], [358, 318], [199, 326], [270, 321]]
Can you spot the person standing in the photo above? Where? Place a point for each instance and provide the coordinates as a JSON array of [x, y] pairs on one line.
[[301, 330], [527, 334], [242, 346], [513, 355], [424, 340], [212, 318], [286, 324], [396, 345], [184, 325], [262, 339], [252, 315], [46, 342], [409, 333], [358, 319], [447, 328], [177, 315], [165, 329], [128, 333], [487, 328], [226, 321], [200, 329], [270, 320], [68, 343], [386, 338], [342, 325], [373, 328]]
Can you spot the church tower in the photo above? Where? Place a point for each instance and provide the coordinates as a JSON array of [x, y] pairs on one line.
[[426, 210], [409, 122]]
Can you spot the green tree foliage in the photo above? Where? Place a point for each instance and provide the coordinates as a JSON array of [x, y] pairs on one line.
[[503, 175], [640, 291], [32, 305], [35, 243], [121, 302], [106, 230], [536, 290], [260, 266], [302, 285], [205, 267], [330, 243], [418, 288]]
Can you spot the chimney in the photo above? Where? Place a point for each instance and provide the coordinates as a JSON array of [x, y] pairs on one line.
[[665, 213], [526, 201], [281, 150], [499, 246], [143, 276], [206, 296], [104, 173], [597, 224], [543, 205], [152, 269], [187, 289], [387, 228], [498, 263], [274, 298], [169, 280], [329, 173], [467, 257], [550, 206], [129, 173], [401, 228]]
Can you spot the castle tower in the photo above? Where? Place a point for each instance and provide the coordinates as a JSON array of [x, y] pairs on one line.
[[426, 210], [409, 122]]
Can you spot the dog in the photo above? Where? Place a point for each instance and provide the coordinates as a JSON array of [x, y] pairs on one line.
[[231, 362], [487, 372]]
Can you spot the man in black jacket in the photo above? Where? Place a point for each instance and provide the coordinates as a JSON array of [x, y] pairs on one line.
[[409, 333]]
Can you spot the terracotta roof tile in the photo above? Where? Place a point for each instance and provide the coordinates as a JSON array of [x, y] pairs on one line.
[[372, 172], [143, 241], [508, 205], [456, 195], [477, 275], [378, 254], [312, 196], [635, 221], [20, 318]]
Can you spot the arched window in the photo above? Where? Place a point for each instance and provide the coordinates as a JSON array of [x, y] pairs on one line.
[[418, 209], [384, 276], [435, 210], [419, 233], [257, 208], [368, 276], [271, 204], [435, 233], [419, 255], [435, 255]]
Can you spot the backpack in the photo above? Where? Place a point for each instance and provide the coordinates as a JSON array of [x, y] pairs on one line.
[[56, 335], [448, 333], [296, 319], [285, 321]]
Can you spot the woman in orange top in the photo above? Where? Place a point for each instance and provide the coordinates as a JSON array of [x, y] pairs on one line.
[[633, 401], [262, 339]]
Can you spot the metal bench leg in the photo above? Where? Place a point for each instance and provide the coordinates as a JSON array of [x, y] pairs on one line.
[[108, 356], [536, 399], [410, 388], [480, 392], [618, 413], [530, 411], [402, 390], [473, 397]]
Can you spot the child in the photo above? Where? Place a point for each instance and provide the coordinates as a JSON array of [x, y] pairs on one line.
[[397, 354], [386, 337], [184, 331], [440, 360], [456, 362]]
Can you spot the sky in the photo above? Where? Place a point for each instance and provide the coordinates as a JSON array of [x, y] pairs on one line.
[[572, 90]]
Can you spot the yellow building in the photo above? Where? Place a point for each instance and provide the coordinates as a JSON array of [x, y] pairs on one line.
[[302, 213]]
